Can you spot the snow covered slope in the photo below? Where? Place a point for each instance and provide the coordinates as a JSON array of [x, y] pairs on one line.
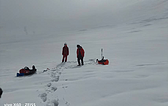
[[134, 38]]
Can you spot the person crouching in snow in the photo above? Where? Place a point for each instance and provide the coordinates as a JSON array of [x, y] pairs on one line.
[[65, 52], [80, 54]]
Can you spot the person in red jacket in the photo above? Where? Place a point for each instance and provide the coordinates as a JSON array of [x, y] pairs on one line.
[[80, 54], [65, 52]]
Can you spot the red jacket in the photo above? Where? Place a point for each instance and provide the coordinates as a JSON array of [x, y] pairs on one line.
[[24, 71], [65, 51], [81, 50]]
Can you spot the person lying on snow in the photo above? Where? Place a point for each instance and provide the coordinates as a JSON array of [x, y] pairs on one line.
[[27, 70]]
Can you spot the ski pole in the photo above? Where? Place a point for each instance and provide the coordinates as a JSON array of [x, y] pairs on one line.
[[101, 53]]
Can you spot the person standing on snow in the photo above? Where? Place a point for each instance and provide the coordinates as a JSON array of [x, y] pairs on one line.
[[65, 52], [80, 54]]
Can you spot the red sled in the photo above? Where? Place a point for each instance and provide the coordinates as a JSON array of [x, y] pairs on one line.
[[103, 61]]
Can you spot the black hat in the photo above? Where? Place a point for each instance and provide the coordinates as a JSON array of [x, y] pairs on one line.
[[65, 44], [78, 46]]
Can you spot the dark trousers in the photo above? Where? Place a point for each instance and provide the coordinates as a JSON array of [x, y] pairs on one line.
[[80, 58], [1, 92], [64, 57]]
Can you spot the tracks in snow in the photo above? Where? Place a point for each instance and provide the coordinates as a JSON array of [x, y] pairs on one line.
[[49, 97]]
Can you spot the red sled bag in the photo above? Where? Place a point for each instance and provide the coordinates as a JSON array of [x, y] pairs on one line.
[[103, 62], [24, 71]]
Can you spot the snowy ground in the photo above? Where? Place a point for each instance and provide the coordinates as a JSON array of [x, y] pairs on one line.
[[137, 75]]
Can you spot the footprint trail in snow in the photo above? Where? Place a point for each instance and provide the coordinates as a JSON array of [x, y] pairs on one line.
[[49, 97]]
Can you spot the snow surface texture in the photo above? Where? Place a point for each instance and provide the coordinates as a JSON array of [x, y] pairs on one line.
[[136, 46]]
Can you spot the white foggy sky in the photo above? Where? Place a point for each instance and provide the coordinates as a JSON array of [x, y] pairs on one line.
[[26, 12], [57, 9]]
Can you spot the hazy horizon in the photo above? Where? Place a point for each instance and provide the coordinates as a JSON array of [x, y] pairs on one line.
[[59, 14]]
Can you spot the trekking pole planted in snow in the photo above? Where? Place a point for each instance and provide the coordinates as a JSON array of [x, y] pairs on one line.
[[101, 53]]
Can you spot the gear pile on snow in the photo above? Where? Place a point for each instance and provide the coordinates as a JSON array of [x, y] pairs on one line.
[[102, 61]]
